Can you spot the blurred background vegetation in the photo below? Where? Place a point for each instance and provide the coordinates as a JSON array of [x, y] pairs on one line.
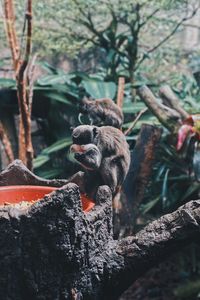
[[83, 47]]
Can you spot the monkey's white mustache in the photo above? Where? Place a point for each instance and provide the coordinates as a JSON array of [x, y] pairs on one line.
[[88, 155], [77, 148]]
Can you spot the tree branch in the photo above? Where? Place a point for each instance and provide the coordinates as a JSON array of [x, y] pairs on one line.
[[128, 131], [149, 17], [131, 257], [166, 38], [120, 93], [171, 100], [170, 118], [11, 31], [6, 143], [22, 90], [20, 66]]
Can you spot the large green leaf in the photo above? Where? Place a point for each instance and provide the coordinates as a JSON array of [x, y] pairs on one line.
[[59, 145], [147, 120], [133, 108], [100, 89], [40, 160], [192, 188], [7, 82], [49, 174], [54, 79], [49, 68], [58, 97], [148, 206]]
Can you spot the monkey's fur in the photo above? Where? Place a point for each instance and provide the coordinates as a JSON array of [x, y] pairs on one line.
[[104, 153], [102, 112], [88, 156]]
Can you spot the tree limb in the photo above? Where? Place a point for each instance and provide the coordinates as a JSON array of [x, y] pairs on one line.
[[120, 93], [22, 90], [128, 131], [6, 143], [170, 118], [11, 31], [150, 16], [167, 37], [171, 100], [131, 257], [142, 160], [20, 66]]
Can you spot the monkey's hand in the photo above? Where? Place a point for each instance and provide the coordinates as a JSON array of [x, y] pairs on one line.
[[79, 179]]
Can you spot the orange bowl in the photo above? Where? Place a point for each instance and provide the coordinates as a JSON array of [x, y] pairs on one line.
[[16, 193]]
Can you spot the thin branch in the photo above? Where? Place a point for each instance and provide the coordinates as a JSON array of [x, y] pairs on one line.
[[120, 93], [6, 143], [149, 17], [192, 26], [166, 38], [169, 117], [11, 31], [128, 131], [133, 256], [30, 75], [22, 94], [171, 100]]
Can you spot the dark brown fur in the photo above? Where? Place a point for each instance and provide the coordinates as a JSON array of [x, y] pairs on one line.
[[102, 112], [114, 151]]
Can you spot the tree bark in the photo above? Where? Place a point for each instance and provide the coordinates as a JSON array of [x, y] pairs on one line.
[[170, 118], [172, 101], [53, 250], [142, 160]]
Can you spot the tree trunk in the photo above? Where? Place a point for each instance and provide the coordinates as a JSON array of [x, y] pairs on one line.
[[53, 250]]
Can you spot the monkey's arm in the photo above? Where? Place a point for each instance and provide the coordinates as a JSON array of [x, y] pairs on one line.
[[113, 171], [109, 173], [79, 179]]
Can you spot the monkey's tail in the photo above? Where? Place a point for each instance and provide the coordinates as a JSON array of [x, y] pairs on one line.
[[117, 205]]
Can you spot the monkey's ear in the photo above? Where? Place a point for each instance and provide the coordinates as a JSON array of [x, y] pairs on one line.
[[95, 131]]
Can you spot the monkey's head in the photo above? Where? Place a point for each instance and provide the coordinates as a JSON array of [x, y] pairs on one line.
[[102, 112], [85, 105], [88, 155], [84, 134]]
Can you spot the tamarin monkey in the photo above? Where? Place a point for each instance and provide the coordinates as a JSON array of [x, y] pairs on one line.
[[104, 153], [102, 112]]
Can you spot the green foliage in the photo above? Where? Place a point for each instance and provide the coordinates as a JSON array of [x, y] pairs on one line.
[[63, 92], [98, 89], [173, 183], [189, 290], [6, 82]]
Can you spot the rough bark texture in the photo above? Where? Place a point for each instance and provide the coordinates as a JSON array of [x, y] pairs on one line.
[[17, 174], [142, 159], [172, 101], [169, 117], [53, 250]]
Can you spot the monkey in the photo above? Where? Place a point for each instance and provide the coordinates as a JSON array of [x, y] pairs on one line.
[[102, 112], [104, 153]]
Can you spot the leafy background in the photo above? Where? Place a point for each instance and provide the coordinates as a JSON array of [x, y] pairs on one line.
[[77, 59]]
